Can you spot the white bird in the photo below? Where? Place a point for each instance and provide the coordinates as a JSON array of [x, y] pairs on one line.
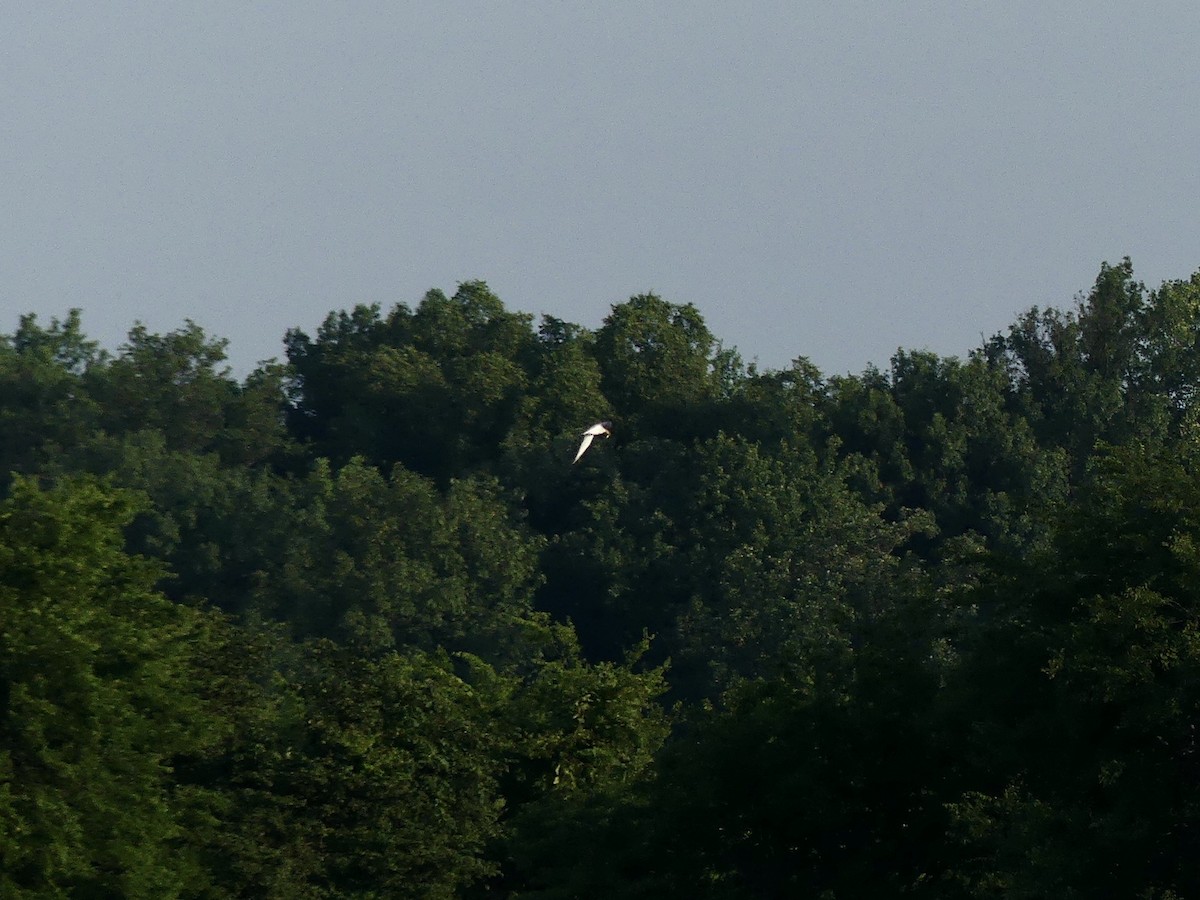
[[600, 428]]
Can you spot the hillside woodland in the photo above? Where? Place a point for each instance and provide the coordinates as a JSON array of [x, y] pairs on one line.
[[355, 626]]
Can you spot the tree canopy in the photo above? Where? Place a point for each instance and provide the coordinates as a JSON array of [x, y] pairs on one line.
[[355, 625]]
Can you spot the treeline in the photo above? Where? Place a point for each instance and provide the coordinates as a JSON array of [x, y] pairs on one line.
[[355, 626]]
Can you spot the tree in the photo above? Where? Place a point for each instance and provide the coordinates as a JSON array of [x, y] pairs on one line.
[[387, 563], [211, 523], [945, 436], [657, 364], [789, 405], [562, 399], [581, 737], [166, 382], [786, 566], [436, 389], [1077, 374], [96, 699], [1171, 329], [44, 407], [1083, 684], [386, 782]]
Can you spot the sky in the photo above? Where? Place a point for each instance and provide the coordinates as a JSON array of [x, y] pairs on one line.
[[831, 181]]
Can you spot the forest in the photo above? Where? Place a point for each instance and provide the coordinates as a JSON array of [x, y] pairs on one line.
[[356, 626]]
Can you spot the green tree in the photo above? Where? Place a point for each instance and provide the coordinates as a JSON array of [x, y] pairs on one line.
[[95, 701], [1083, 687], [1077, 373], [658, 366], [393, 562], [947, 437], [789, 405], [349, 776], [563, 398], [786, 565], [785, 787], [212, 523], [175, 383], [44, 408], [1171, 329], [436, 389], [581, 737]]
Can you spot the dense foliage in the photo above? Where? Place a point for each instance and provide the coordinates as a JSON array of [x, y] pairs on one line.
[[356, 626]]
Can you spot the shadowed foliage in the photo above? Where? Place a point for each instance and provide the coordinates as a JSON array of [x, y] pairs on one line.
[[356, 625]]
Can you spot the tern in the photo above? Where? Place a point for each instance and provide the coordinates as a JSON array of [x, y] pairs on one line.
[[600, 428]]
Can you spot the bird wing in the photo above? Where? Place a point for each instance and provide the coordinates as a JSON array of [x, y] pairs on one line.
[[587, 441], [597, 429]]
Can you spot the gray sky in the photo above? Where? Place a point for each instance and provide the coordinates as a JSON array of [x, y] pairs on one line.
[[821, 180]]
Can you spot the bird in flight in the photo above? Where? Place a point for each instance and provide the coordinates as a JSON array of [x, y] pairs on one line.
[[600, 428]]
